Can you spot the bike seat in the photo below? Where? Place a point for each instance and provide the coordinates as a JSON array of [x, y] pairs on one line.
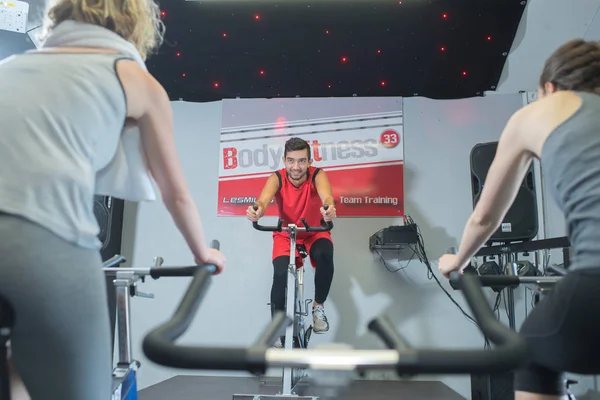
[[7, 315], [302, 250]]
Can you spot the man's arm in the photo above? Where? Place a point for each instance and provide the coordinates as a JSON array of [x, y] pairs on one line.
[[324, 189], [268, 192]]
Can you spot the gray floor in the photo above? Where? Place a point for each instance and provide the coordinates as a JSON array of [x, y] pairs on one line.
[[223, 388]]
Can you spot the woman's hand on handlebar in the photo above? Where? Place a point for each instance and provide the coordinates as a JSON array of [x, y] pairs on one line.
[[254, 215], [212, 257], [448, 263]]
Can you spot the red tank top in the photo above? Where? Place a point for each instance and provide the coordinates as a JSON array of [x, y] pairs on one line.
[[295, 203]]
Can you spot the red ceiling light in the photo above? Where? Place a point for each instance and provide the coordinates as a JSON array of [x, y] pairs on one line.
[[216, 84], [262, 72], [344, 59], [444, 15], [443, 49], [178, 54], [382, 83], [257, 16]]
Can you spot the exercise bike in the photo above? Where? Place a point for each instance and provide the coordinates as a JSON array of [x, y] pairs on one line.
[[541, 285], [124, 385], [337, 365], [296, 335]]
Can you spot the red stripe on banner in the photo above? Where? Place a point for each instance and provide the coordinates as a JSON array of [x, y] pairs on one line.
[[376, 191]]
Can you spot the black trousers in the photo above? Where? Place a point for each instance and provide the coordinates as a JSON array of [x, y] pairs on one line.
[[563, 334], [322, 253]]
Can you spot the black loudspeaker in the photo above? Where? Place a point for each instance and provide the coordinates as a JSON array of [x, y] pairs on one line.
[[521, 220], [109, 213], [492, 387]]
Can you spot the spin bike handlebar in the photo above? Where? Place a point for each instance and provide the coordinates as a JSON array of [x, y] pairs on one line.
[[513, 279], [325, 226], [111, 266], [159, 344]]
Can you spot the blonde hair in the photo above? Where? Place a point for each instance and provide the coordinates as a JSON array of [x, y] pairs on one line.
[[137, 21]]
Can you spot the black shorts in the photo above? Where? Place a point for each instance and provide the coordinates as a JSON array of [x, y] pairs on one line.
[[563, 334]]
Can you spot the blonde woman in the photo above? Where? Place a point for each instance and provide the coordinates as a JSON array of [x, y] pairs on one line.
[[63, 110]]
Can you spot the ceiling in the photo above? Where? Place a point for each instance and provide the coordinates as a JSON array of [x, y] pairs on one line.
[[443, 49], [266, 49]]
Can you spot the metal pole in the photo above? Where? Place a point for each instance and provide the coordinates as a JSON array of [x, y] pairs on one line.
[[290, 295]]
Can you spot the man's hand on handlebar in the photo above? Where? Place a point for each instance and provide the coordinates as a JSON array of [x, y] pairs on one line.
[[328, 212], [254, 215], [214, 257]]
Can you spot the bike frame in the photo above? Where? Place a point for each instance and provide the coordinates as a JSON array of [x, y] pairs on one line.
[[295, 292], [124, 374], [126, 279], [294, 297]]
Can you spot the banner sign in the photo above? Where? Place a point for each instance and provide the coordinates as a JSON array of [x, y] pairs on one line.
[[362, 155]]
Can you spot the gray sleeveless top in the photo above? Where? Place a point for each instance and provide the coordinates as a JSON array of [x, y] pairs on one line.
[[571, 167], [61, 117]]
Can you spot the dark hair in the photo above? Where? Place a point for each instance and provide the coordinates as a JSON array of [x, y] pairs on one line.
[[574, 66], [295, 144]]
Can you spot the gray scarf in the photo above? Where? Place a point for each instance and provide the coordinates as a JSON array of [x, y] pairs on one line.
[[77, 34]]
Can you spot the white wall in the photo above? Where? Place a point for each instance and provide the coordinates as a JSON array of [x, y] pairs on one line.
[[438, 138], [546, 24]]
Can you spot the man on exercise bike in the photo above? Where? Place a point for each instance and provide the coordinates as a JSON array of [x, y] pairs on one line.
[[300, 191]]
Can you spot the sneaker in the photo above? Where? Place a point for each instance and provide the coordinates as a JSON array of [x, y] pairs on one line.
[[320, 323]]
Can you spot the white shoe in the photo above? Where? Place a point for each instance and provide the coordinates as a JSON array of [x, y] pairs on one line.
[[320, 323]]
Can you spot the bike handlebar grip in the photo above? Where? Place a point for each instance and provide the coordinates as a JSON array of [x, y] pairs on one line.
[[114, 261], [269, 335], [510, 354], [180, 271], [158, 345], [499, 280], [268, 228], [383, 327], [185, 271], [325, 226], [482, 312], [160, 340]]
